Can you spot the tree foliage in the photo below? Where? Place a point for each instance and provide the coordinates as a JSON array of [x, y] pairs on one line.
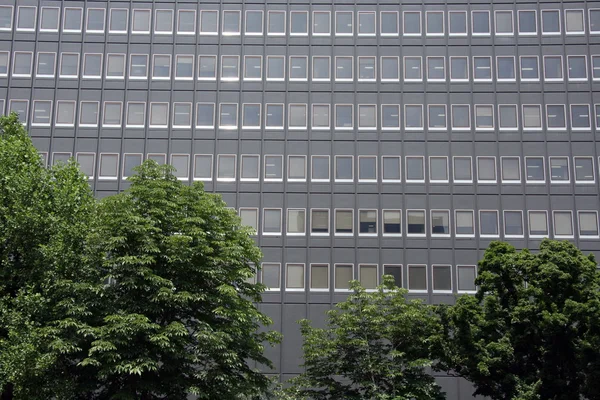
[[376, 346], [532, 331]]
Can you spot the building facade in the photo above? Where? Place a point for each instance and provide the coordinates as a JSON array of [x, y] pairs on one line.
[[357, 137]]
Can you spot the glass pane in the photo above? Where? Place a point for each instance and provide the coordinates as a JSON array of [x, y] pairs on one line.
[[417, 277]]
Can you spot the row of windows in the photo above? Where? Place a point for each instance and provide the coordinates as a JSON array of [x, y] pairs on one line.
[[272, 116], [319, 23], [347, 168], [300, 68], [343, 222], [320, 277]]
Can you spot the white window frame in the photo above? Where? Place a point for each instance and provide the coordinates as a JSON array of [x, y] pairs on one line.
[[534, 236], [443, 24], [108, 178], [368, 234], [521, 236], [460, 128], [582, 32], [580, 182], [61, 62], [453, 170], [280, 221], [269, 289], [260, 57], [345, 234], [14, 59], [262, 23], [388, 128], [283, 116], [303, 288], [83, 75], [212, 126], [498, 79], [185, 10], [521, 68], [320, 128], [584, 237], [119, 32], [420, 69], [480, 34], [86, 153], [539, 107], [510, 181], [408, 278], [596, 32], [305, 168], [561, 182], [106, 66], [445, 127], [548, 127], [237, 122], [381, 69], [290, 79], [37, 75], [420, 23], [187, 170], [376, 172], [412, 128], [351, 19], [584, 129], [557, 236], [40, 29], [170, 32], [269, 12], [464, 235], [491, 78], [267, 78], [307, 23], [184, 78], [147, 67], [211, 33], [383, 233], [536, 182], [482, 235], [297, 128], [239, 31], [65, 19], [358, 33], [417, 235], [70, 124], [94, 125], [265, 179], [213, 78], [310, 278], [451, 34], [133, 11], [234, 167], [12, 19], [433, 290], [242, 158], [376, 274], [476, 274], [166, 124], [335, 168], [104, 112], [440, 235], [123, 176], [87, 20], [230, 79], [450, 69], [393, 34], [512, 17], [328, 168], [519, 23], [374, 79], [127, 114], [189, 124], [313, 79], [313, 23], [383, 180], [427, 66], [255, 127], [447, 180], [210, 178], [509, 129], [486, 129], [562, 69], [369, 128], [34, 19], [33, 112], [321, 234], [257, 210], [585, 63], [351, 79]]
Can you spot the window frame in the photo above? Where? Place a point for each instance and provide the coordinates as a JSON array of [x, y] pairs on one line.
[[87, 20], [512, 23], [377, 276], [485, 235], [217, 26], [291, 33], [312, 157], [351, 33], [239, 213], [536, 236], [187, 170], [358, 14], [436, 128], [584, 182], [32, 117], [131, 65], [60, 75], [585, 64], [464, 235], [351, 79], [290, 66], [93, 125], [553, 128], [321, 234], [56, 109], [262, 23], [182, 11], [460, 128], [454, 180], [498, 79], [245, 157], [583, 22], [12, 18], [562, 68], [87, 153], [17, 28], [287, 219], [359, 79], [382, 69], [383, 179], [312, 30], [417, 235], [481, 34], [297, 128], [509, 236], [250, 127], [267, 78], [280, 221], [279, 275], [404, 13], [383, 232], [458, 266], [427, 33], [167, 116], [14, 61], [453, 34], [580, 235], [517, 119], [433, 289], [420, 79], [269, 33], [519, 23], [370, 180], [521, 68], [491, 78], [214, 77], [176, 65], [210, 178], [120, 103], [559, 182], [554, 225], [123, 176], [237, 122], [393, 34], [110, 16], [283, 117], [344, 234], [289, 169], [440, 235], [228, 156], [510, 181], [312, 117], [265, 179], [336, 180], [310, 278], [427, 58], [239, 22], [423, 291], [64, 30], [536, 182], [173, 115], [589, 119], [37, 64], [212, 126], [108, 178]]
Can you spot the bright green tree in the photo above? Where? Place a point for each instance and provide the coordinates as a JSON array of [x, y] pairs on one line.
[[376, 346], [532, 331], [179, 312]]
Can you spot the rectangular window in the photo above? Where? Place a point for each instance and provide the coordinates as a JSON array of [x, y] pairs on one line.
[[459, 69], [577, 68], [484, 117], [344, 25], [6, 15], [366, 69], [252, 68], [344, 168], [413, 69], [594, 21], [138, 66], [441, 278], [209, 22], [559, 170], [563, 224], [596, 68], [231, 22], [297, 116], [580, 117], [415, 223], [534, 170], [48, 19], [343, 274], [249, 218], [486, 170], [228, 115], [159, 158], [390, 116], [508, 119], [464, 223], [466, 278], [254, 23], [367, 220], [588, 224], [344, 116], [505, 69], [437, 117], [136, 114], [388, 23], [368, 276], [72, 19], [411, 22], [109, 166], [482, 69], [182, 115], [89, 113], [488, 223], [115, 66], [527, 22], [417, 278], [584, 170], [299, 23], [530, 71], [319, 277], [118, 20], [511, 169], [504, 23], [230, 66], [436, 69], [184, 67], [205, 115], [249, 168], [321, 25], [203, 167], [226, 167], [319, 168], [556, 117], [41, 113], [163, 22], [538, 224], [413, 117], [434, 23], [207, 68], [390, 169], [65, 113], [274, 116], [275, 68], [298, 68], [320, 117], [480, 23], [112, 114], [273, 168], [457, 23], [159, 115], [87, 163], [45, 68], [321, 69], [26, 18], [440, 223], [367, 168], [553, 69], [296, 171], [415, 169], [392, 222], [461, 117], [513, 224], [319, 222], [438, 169], [395, 271], [271, 276], [344, 222], [250, 116], [296, 222], [95, 20], [366, 23], [181, 163], [130, 161], [69, 65], [186, 22], [271, 221], [276, 23], [463, 172], [344, 69], [574, 22], [390, 69], [22, 64], [367, 116]]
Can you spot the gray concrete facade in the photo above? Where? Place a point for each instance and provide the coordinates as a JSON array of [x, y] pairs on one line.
[[357, 137]]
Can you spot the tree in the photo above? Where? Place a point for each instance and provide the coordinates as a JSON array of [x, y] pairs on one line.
[[532, 331], [375, 346], [46, 285], [179, 315]]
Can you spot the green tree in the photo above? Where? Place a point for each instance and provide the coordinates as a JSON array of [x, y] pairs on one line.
[[376, 346], [45, 289], [179, 312], [532, 331]]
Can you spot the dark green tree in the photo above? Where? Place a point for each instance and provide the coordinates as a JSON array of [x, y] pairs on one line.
[[179, 313], [376, 346], [532, 331]]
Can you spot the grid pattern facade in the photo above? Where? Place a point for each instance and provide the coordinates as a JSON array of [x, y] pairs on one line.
[[357, 137]]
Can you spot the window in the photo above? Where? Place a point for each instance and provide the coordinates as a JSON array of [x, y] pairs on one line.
[[343, 274], [417, 278], [366, 69], [112, 114], [159, 158], [118, 19], [442, 278], [130, 161], [181, 163], [482, 69], [440, 223], [226, 167], [22, 63], [411, 22], [273, 168], [574, 22], [538, 224], [26, 18], [563, 224], [480, 23], [466, 278], [182, 115], [95, 20], [461, 117], [388, 23], [297, 116], [367, 116], [115, 66], [588, 224], [395, 271], [186, 22], [69, 65], [205, 115], [296, 168], [320, 69], [465, 223], [249, 167], [437, 117], [73, 19], [505, 69], [276, 23], [296, 221], [298, 23], [209, 22], [319, 277], [230, 68], [438, 169], [344, 69], [412, 69], [344, 222], [508, 117], [556, 117], [390, 69], [390, 117], [252, 68], [159, 115], [274, 116], [319, 168], [513, 224], [367, 220], [231, 22], [298, 68], [597, 110], [344, 168], [392, 222], [294, 279], [271, 276], [65, 113], [415, 169], [390, 169], [504, 23], [459, 69], [344, 116], [321, 23], [534, 170], [228, 115], [366, 23], [250, 116], [249, 218], [488, 223], [532, 117], [109, 166], [320, 116], [527, 22], [530, 71], [462, 170], [203, 165], [457, 23], [254, 23], [184, 67], [584, 170], [580, 117], [46, 64], [511, 169], [6, 13], [319, 222], [138, 66], [89, 113], [136, 114], [271, 221], [344, 23], [60, 158], [434, 23], [553, 68], [594, 21], [87, 163], [596, 68], [207, 68], [559, 170], [275, 68], [436, 69], [415, 223], [41, 112], [484, 117], [577, 67], [413, 117], [367, 168], [486, 169], [367, 276], [48, 19]]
